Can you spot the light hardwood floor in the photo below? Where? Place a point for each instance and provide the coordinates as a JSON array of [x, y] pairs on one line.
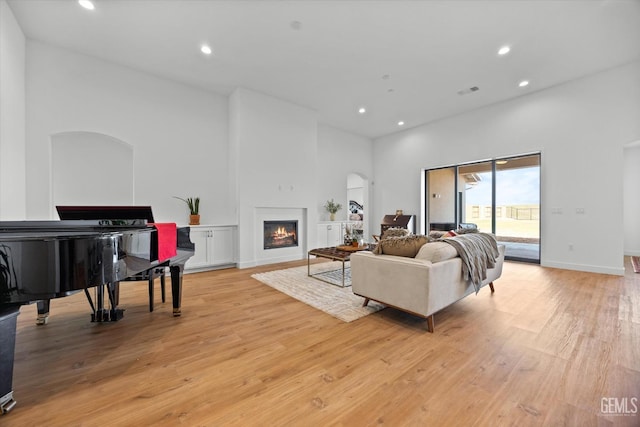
[[545, 349]]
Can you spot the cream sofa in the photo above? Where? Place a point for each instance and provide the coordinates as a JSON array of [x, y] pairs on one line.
[[417, 286]]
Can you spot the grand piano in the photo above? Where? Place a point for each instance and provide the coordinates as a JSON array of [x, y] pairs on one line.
[[89, 248]]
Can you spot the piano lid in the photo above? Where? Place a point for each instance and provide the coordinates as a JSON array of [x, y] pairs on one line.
[[43, 227]]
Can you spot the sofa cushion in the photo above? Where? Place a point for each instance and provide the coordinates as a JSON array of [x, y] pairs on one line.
[[407, 246], [436, 252]]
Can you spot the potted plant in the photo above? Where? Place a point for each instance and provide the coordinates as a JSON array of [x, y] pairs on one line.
[[355, 235], [332, 207], [194, 209], [355, 239]]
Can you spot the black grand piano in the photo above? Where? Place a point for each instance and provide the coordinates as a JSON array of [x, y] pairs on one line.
[[90, 247]]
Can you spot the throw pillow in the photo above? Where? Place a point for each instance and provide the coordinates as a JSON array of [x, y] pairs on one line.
[[436, 234], [436, 252], [406, 246], [449, 233], [394, 232]]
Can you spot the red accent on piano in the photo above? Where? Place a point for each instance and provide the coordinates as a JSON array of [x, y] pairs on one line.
[[167, 239]]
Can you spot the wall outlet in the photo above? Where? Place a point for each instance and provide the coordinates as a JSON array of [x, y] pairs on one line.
[[580, 211]]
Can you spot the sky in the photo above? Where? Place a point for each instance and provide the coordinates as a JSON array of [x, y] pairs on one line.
[[513, 187]]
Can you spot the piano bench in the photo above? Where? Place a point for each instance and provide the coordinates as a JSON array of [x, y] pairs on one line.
[[150, 276]]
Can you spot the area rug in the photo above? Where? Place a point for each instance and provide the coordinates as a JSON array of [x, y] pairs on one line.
[[635, 262], [336, 301]]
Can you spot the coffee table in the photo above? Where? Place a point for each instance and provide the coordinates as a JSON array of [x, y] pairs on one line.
[[337, 253]]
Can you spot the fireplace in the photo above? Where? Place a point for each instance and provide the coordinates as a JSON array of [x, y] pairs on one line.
[[280, 234]]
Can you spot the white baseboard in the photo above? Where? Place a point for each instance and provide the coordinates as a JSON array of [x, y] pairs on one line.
[[632, 252], [275, 260], [246, 264], [587, 268], [209, 268]]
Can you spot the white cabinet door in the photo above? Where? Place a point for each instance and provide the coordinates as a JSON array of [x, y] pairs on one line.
[[201, 240], [223, 246], [330, 234], [334, 235], [215, 246], [322, 236]]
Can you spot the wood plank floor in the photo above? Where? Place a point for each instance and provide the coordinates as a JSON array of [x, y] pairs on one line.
[[545, 349]]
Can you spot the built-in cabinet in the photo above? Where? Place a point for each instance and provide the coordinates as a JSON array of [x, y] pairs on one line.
[[332, 233], [215, 247]]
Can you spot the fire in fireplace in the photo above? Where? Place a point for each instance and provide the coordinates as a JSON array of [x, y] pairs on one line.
[[280, 234]]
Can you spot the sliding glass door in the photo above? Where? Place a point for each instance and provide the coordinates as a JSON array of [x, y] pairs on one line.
[[499, 196], [475, 196], [517, 206]]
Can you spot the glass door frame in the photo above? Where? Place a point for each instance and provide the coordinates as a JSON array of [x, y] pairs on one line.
[[425, 196]]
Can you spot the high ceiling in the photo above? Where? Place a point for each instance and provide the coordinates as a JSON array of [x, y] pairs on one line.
[[402, 60]]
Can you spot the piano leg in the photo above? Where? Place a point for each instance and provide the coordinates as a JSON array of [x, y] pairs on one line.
[[176, 288], [162, 285], [43, 311], [116, 292], [151, 291], [8, 325], [100, 313], [113, 290]]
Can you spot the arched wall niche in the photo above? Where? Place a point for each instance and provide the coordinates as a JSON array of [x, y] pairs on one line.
[[89, 168]]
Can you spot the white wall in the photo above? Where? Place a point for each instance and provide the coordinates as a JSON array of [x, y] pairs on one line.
[[73, 181], [12, 117], [339, 154], [237, 153], [580, 127], [179, 134], [273, 147], [631, 229]]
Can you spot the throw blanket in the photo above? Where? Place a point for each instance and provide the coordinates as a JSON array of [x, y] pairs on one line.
[[478, 252]]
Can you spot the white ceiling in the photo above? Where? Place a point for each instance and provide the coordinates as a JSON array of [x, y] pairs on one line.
[[336, 60]]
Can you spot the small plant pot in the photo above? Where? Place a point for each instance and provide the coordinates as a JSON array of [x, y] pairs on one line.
[[194, 219], [355, 244], [332, 216]]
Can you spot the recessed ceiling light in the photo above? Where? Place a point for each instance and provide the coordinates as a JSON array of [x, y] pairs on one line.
[[504, 50], [205, 49], [386, 77], [296, 25], [86, 4], [362, 110], [523, 83], [400, 123]]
